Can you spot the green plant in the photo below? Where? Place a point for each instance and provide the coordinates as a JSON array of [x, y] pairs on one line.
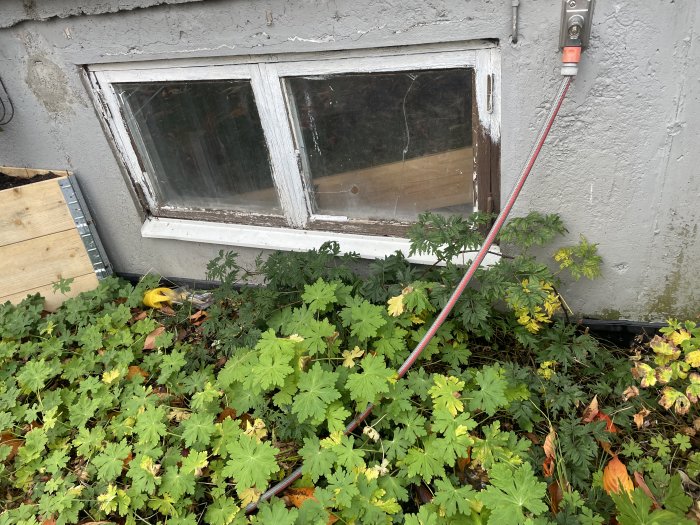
[[676, 360], [113, 412]]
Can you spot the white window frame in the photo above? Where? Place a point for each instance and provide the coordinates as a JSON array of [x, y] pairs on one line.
[[266, 74]]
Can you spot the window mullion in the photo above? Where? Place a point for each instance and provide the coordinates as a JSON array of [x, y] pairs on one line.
[[485, 192], [275, 122]]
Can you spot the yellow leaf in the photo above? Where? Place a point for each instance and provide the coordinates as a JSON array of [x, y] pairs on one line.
[[673, 398], [256, 429], [679, 336], [645, 374], [416, 320], [546, 369], [616, 478], [693, 358], [149, 466], [332, 440], [296, 338], [664, 374], [371, 433], [533, 327], [179, 414], [108, 377], [157, 297], [350, 356], [661, 347], [249, 495], [395, 307]]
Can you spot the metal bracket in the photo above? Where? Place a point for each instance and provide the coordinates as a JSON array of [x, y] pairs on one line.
[[576, 16], [85, 226]]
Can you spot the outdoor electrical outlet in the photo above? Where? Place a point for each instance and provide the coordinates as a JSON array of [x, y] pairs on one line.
[[576, 18]]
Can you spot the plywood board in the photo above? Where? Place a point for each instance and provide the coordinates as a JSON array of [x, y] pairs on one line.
[[430, 182], [41, 261], [426, 183], [53, 300], [32, 211]]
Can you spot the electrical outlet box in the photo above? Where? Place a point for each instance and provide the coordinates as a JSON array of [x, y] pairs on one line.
[[576, 16]]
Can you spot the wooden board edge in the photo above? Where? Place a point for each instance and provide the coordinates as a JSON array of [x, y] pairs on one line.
[[52, 300]]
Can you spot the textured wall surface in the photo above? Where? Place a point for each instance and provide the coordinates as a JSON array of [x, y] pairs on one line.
[[620, 167]]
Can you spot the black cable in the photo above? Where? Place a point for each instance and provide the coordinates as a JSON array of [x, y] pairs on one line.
[[5, 119]]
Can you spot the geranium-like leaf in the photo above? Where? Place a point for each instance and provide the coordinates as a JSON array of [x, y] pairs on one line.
[[250, 463], [512, 494], [319, 295], [316, 391], [446, 394], [365, 387]]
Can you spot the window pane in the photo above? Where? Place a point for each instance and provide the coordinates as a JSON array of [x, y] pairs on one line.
[[202, 143], [387, 145]]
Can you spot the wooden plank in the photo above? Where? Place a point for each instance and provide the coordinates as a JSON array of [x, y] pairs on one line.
[[52, 300], [33, 210], [28, 173], [42, 260]]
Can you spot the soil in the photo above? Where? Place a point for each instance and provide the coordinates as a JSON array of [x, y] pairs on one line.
[[7, 182]]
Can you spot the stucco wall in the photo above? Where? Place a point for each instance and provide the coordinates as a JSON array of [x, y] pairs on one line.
[[621, 166]]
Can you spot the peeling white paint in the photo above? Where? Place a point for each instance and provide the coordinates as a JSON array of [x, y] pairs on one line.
[[323, 40], [186, 51], [371, 29]]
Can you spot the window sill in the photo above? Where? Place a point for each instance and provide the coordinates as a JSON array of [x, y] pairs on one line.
[[287, 239]]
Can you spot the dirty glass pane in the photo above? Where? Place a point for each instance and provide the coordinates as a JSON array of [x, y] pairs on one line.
[[202, 144], [386, 145]]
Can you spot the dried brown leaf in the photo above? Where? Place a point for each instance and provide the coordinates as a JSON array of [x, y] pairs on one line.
[[616, 478], [639, 417], [7, 438], [549, 452], [166, 310], [630, 392], [639, 480], [591, 411], [555, 496], [136, 371], [150, 342], [140, 316]]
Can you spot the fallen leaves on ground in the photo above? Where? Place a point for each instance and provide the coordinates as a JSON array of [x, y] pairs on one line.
[[297, 497], [616, 477], [549, 453], [150, 342], [639, 417]]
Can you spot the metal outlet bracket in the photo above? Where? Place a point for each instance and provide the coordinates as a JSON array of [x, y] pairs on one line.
[[576, 17]]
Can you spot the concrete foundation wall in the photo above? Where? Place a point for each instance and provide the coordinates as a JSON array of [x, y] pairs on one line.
[[621, 165]]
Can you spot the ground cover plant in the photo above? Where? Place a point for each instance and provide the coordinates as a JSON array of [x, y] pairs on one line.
[[115, 411]]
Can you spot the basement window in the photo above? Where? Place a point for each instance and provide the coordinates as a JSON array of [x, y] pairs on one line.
[[349, 143]]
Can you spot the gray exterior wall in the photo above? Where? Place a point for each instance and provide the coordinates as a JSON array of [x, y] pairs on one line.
[[620, 167]]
